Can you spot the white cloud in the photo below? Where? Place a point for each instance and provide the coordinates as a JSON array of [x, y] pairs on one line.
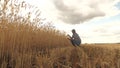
[[78, 11]]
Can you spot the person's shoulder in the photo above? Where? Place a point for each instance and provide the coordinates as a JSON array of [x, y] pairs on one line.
[[76, 33]]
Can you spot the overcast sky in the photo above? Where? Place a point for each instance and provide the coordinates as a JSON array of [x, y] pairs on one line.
[[96, 21]]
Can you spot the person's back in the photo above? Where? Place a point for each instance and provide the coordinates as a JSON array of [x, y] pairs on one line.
[[76, 38]]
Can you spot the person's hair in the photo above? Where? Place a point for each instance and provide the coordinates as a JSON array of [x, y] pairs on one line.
[[73, 30]]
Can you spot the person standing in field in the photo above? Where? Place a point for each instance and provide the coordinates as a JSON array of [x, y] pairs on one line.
[[75, 39]]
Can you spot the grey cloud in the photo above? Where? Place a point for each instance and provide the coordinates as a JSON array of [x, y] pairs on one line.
[[70, 16], [60, 5]]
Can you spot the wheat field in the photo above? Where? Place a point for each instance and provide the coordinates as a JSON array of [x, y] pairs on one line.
[[24, 44]]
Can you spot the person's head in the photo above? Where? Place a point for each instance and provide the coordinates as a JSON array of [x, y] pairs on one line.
[[73, 31]]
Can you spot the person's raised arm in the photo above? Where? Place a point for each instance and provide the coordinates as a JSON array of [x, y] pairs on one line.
[[69, 37]]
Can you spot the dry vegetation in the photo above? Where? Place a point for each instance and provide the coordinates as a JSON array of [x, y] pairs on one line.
[[24, 44]]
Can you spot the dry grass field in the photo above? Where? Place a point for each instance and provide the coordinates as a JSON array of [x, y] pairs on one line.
[[25, 45]]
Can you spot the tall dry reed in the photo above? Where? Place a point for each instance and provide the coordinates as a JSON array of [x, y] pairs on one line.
[[23, 37]]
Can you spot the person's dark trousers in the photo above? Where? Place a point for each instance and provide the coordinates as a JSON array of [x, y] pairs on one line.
[[73, 42]]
